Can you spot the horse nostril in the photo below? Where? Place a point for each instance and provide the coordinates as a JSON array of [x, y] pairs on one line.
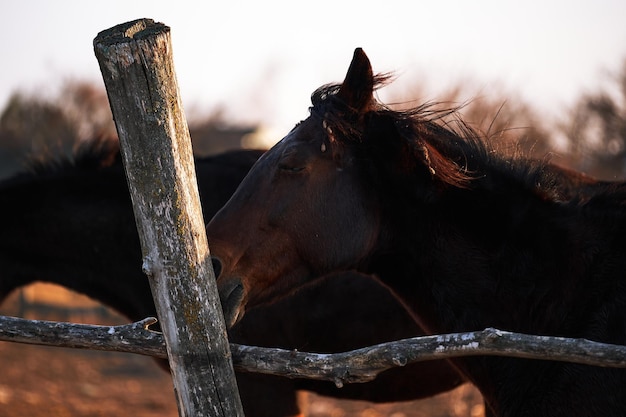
[[217, 266]]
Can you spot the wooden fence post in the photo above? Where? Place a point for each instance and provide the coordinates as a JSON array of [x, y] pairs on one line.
[[137, 66]]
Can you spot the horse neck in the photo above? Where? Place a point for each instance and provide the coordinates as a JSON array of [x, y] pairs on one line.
[[459, 260], [74, 229]]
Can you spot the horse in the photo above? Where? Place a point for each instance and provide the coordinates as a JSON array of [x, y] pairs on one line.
[[465, 236], [70, 222]]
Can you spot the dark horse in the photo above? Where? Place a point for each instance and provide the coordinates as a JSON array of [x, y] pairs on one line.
[[72, 224], [465, 237]]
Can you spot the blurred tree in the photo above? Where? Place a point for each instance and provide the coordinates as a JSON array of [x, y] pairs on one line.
[[596, 130], [86, 107], [212, 134], [34, 128]]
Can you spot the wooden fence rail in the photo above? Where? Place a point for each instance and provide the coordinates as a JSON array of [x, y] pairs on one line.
[[359, 365]]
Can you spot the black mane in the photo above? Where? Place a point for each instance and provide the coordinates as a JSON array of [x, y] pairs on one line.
[[86, 157], [89, 155], [435, 140]]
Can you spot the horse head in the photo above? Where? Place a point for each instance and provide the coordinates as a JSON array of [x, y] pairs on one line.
[[301, 212]]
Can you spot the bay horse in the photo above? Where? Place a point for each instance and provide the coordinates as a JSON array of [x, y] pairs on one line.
[[71, 223], [465, 237]]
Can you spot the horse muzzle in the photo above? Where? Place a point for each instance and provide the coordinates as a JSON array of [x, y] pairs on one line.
[[231, 292]]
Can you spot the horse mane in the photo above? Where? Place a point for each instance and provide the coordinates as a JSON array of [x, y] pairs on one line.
[[431, 138], [86, 157], [94, 154]]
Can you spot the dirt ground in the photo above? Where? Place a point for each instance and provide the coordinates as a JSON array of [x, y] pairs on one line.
[[41, 381]]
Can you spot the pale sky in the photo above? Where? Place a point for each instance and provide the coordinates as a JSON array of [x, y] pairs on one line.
[[260, 60]]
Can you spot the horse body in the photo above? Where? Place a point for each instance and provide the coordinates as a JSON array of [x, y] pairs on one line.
[[465, 238], [73, 225]]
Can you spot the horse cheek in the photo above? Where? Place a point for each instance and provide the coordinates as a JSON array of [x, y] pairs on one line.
[[346, 238], [360, 223]]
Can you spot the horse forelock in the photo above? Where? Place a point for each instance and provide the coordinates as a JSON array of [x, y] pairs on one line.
[[415, 128], [340, 116]]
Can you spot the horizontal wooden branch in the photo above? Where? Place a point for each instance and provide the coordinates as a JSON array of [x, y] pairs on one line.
[[359, 365], [128, 338]]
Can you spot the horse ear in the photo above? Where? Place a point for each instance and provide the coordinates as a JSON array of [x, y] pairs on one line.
[[357, 90]]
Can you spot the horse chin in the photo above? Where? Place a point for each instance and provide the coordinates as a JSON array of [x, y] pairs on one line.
[[231, 292]]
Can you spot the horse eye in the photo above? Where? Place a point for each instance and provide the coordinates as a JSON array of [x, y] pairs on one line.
[[291, 161], [289, 168]]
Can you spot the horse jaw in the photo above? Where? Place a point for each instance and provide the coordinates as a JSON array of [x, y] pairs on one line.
[[231, 292]]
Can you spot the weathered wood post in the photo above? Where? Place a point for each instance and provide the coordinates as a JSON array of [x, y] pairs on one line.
[[137, 66]]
